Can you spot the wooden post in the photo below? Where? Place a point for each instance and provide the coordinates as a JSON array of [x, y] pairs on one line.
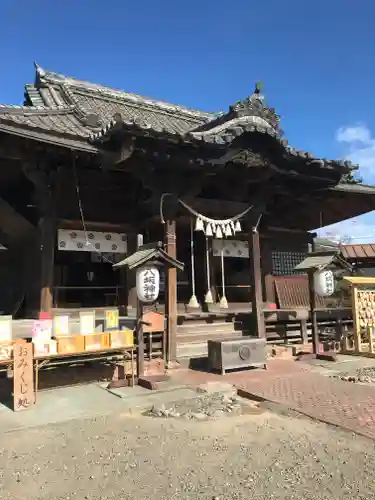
[[171, 293], [140, 341], [356, 322], [139, 324], [312, 299], [314, 323], [256, 282]]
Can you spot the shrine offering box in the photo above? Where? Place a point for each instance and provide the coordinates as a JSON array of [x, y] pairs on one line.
[[95, 341], [70, 344], [122, 338]]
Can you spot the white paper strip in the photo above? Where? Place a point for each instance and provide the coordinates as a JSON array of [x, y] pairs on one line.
[[92, 241]]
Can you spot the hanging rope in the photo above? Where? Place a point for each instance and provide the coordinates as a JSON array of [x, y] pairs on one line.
[[211, 227], [208, 298], [83, 222], [193, 302], [223, 300], [162, 220], [215, 221]]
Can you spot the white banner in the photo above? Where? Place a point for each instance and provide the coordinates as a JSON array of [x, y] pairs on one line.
[[230, 248], [91, 241]]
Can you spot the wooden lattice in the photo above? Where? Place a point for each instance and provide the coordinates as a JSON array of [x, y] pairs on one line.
[[366, 307]]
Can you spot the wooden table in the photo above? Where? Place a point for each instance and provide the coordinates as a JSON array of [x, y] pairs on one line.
[[125, 353]]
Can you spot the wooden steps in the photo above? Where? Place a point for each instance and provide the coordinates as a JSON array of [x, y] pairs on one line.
[[192, 335]]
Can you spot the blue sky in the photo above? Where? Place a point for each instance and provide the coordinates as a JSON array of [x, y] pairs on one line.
[[315, 57]]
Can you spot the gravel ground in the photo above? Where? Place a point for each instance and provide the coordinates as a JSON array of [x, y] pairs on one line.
[[265, 456]]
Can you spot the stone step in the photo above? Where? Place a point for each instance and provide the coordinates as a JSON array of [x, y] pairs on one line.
[[205, 327], [205, 324], [206, 333], [195, 350], [199, 338]]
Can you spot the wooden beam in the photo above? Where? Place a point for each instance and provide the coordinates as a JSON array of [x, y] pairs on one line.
[[93, 226]]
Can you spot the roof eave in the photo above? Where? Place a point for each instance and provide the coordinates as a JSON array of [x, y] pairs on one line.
[[48, 138]]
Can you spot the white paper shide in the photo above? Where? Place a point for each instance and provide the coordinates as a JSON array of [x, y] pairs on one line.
[[324, 283], [148, 283]]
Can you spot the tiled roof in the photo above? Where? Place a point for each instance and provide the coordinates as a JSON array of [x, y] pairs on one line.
[[59, 125], [76, 109], [358, 252], [79, 114]]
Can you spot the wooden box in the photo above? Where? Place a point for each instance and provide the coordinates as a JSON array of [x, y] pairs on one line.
[[6, 350], [70, 344], [47, 348], [96, 341], [123, 338]]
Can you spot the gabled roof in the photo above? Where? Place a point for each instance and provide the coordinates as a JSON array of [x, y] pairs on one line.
[[68, 111], [320, 260], [93, 99], [83, 115], [147, 253]]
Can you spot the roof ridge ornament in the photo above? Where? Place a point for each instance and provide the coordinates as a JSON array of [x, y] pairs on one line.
[[255, 105], [40, 71]]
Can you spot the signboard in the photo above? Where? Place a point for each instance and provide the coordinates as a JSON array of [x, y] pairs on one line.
[[23, 378], [5, 328], [111, 319], [61, 326], [86, 322], [230, 248], [156, 319], [42, 330]]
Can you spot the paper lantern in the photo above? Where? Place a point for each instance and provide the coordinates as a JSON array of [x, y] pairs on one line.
[[324, 283], [148, 283]]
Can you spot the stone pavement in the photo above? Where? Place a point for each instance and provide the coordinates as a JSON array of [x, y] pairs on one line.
[[300, 387]]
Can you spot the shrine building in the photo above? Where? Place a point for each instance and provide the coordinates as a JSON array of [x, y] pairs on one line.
[[86, 168]]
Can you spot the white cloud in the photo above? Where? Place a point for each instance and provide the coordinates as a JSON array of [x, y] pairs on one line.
[[359, 143], [361, 148], [354, 134]]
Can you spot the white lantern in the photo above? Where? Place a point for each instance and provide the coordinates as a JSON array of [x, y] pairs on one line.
[[324, 283], [148, 283]]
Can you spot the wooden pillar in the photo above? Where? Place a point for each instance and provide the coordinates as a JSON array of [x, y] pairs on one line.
[[47, 228], [256, 282], [128, 278], [171, 292], [44, 176], [266, 262], [312, 297]]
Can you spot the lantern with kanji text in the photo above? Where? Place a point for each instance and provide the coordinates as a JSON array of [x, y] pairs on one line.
[[324, 283], [148, 283]]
